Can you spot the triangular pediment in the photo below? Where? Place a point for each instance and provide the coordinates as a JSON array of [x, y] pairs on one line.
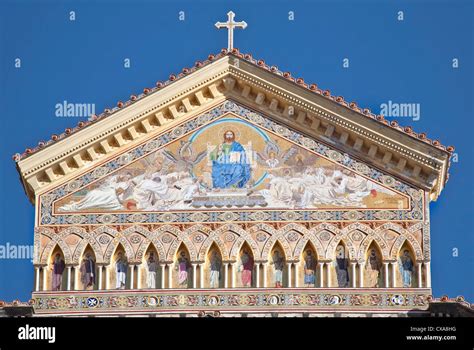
[[263, 171], [230, 77], [261, 164]]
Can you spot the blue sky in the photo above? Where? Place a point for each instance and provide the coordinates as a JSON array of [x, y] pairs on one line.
[[82, 61]]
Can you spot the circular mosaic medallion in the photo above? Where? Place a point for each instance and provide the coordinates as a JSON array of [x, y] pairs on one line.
[[98, 172], [104, 239], [177, 132], [135, 239], [73, 185], [292, 236], [357, 236], [92, 302], [325, 236], [166, 238], [261, 237], [152, 301], [334, 300], [198, 238], [229, 237], [213, 300], [273, 299], [397, 299]]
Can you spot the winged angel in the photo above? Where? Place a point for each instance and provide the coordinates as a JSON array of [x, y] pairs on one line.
[[273, 157], [186, 159]]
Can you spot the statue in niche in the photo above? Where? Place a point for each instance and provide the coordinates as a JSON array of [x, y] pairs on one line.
[[121, 271], [278, 262], [246, 267], [151, 266], [372, 269], [58, 269], [88, 272], [215, 267], [309, 269], [182, 266], [406, 266], [341, 267]]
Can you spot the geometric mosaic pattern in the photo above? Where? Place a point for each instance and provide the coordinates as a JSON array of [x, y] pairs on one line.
[[232, 300]]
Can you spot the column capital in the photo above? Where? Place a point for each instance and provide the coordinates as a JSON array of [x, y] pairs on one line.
[[260, 261]]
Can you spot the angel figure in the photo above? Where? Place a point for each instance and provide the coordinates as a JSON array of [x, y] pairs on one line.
[[186, 159], [272, 156]]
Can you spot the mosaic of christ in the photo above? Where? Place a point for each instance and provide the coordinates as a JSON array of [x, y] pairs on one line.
[[231, 164]]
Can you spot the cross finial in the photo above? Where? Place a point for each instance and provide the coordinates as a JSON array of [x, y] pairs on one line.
[[230, 25]]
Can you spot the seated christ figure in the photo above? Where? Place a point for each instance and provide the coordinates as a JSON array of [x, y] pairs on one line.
[[231, 167]]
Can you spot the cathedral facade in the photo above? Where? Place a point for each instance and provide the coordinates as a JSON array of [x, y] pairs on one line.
[[233, 189]]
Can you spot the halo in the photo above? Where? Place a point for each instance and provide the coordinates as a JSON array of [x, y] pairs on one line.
[[227, 127]]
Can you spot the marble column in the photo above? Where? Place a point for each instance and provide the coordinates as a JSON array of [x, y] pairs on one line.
[[420, 274], [37, 278], [428, 274], [361, 274], [107, 277], [394, 274], [76, 277], [68, 287], [100, 268], [226, 275], [297, 275], [132, 276], [45, 276], [201, 272], [234, 273], [385, 265], [257, 265], [288, 266], [139, 278], [194, 265], [328, 268], [170, 276], [163, 276], [321, 275], [265, 268], [354, 276]]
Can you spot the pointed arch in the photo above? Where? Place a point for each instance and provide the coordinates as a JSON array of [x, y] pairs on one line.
[[404, 235], [411, 242], [279, 237], [315, 242], [181, 238], [213, 238], [56, 241], [145, 246], [335, 241], [112, 247], [381, 245], [88, 240], [243, 236]]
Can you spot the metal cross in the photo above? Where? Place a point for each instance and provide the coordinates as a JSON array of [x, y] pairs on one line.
[[230, 25]]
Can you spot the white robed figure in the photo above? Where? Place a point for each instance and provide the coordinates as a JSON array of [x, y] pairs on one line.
[[151, 271], [215, 266], [121, 271], [108, 196]]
